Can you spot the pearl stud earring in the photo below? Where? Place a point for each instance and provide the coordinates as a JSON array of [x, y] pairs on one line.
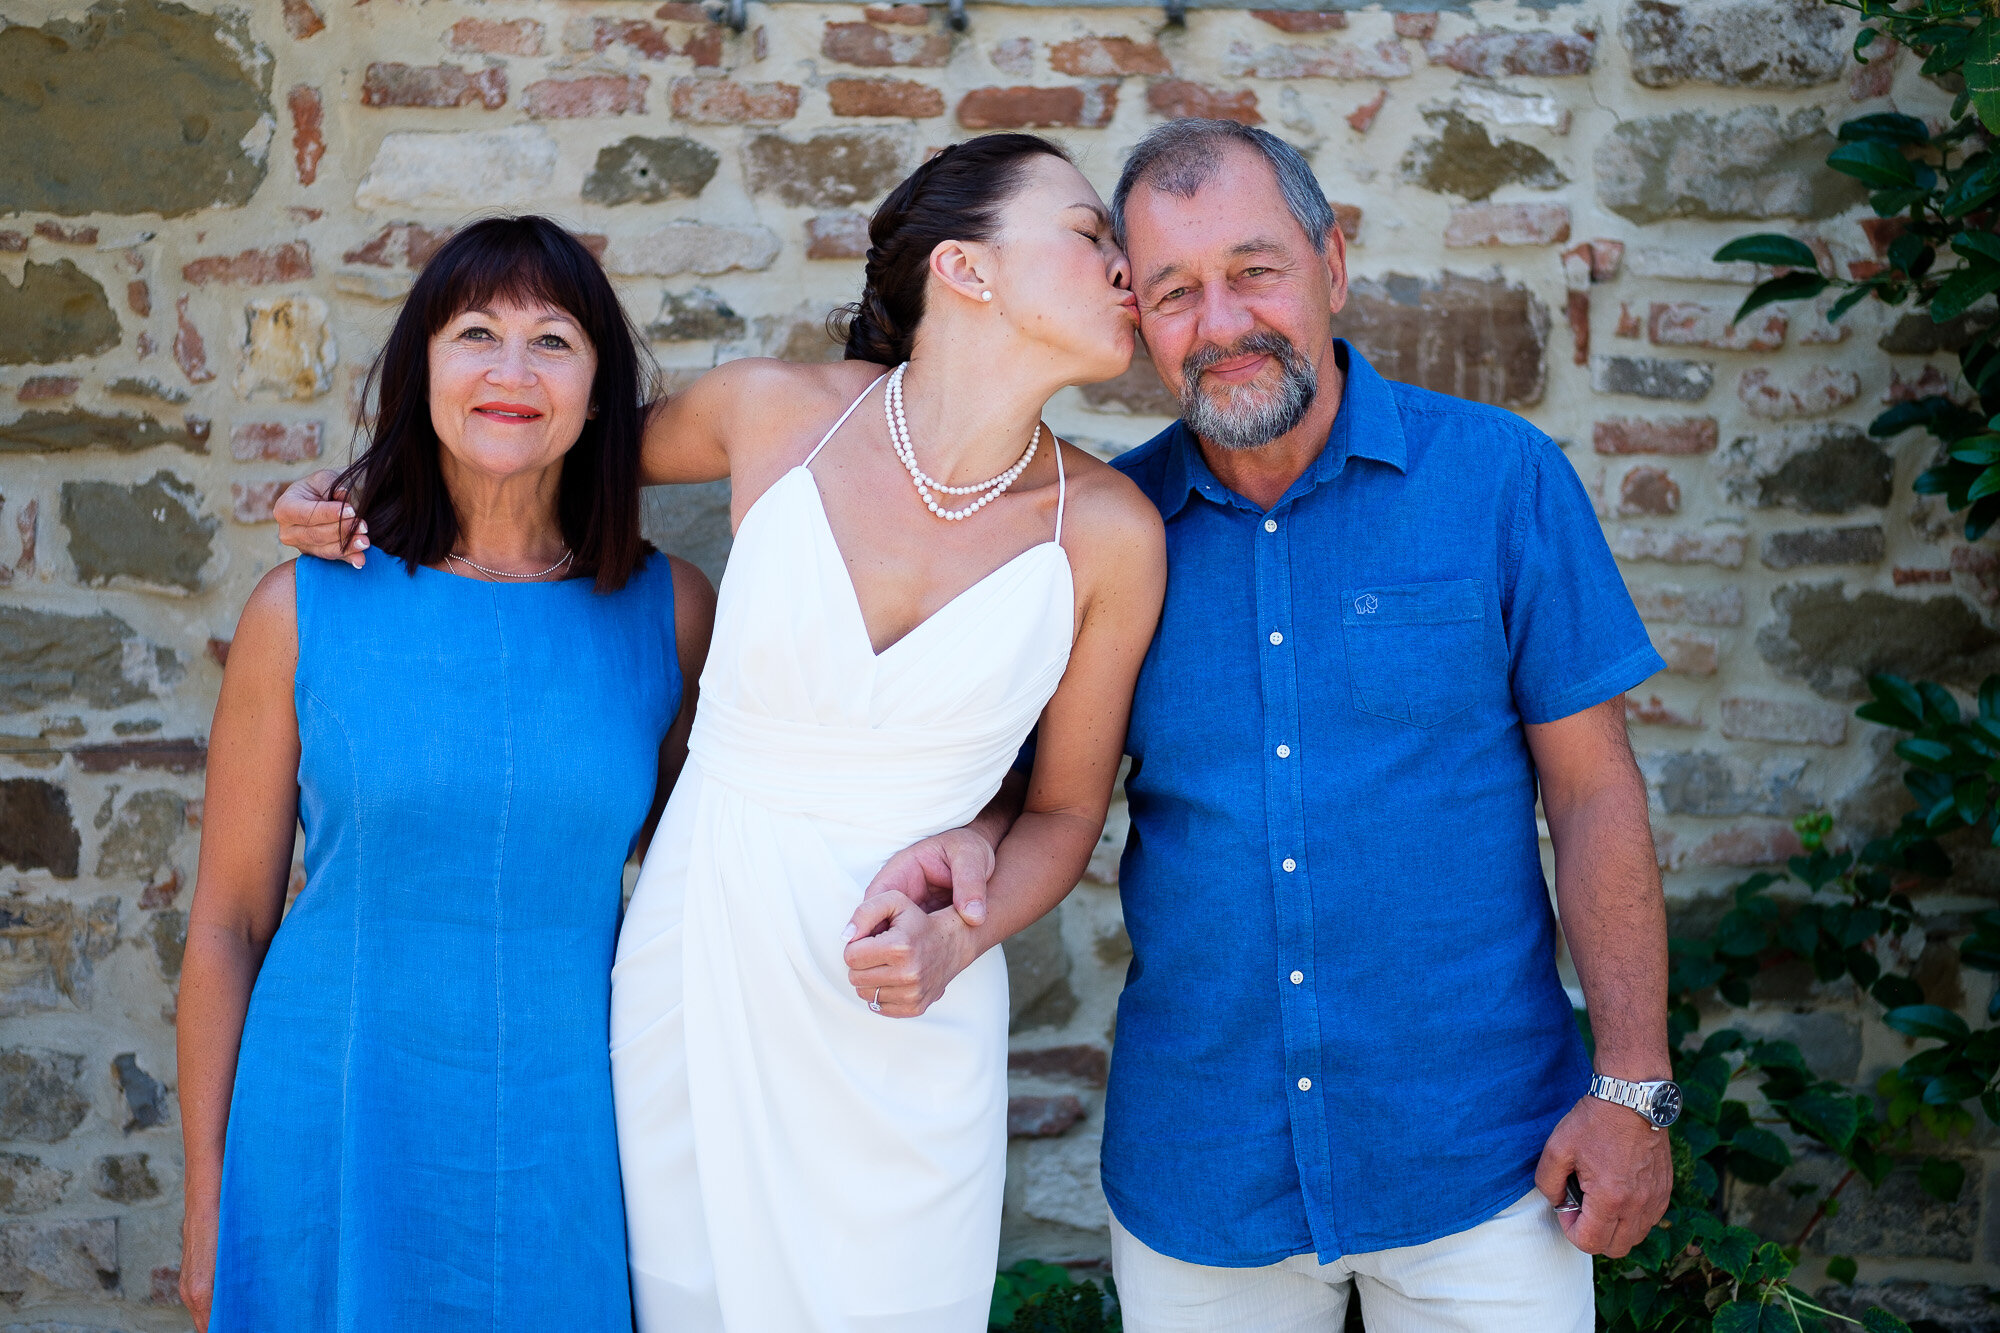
[[986, 296]]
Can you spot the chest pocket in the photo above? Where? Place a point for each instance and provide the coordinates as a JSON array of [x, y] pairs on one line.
[[1413, 649]]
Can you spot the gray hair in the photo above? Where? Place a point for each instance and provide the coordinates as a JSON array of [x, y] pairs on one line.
[[1181, 156]]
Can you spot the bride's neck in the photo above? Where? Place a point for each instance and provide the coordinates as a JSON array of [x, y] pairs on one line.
[[971, 408]]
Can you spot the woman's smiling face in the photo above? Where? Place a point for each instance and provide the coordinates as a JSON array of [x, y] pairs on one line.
[[510, 386]]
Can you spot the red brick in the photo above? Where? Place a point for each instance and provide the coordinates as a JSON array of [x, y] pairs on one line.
[[644, 39], [25, 524], [290, 262], [151, 899], [497, 37], [1648, 491], [884, 97], [1867, 82], [41, 388], [1605, 258], [911, 16], [218, 651], [399, 245], [1494, 53], [1816, 390], [388, 83], [1106, 57], [591, 95], [1364, 115], [1015, 55], [704, 47], [1174, 98], [178, 755], [1070, 106], [1883, 231], [1863, 269], [1301, 20], [166, 1287], [1793, 721], [275, 441], [1349, 218], [1629, 324], [64, 235], [302, 20], [1042, 1117], [1655, 712], [13, 242], [865, 44], [1693, 324], [727, 102], [251, 501], [1086, 1064], [1577, 311], [1669, 604], [836, 236], [1420, 26], [139, 297], [1906, 577], [197, 428], [1929, 383], [1762, 844], [308, 137], [146, 346], [682, 11], [1658, 435], [1507, 224], [1712, 546], [1691, 653], [189, 352]]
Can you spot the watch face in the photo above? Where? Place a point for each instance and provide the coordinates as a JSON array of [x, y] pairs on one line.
[[1666, 1107]]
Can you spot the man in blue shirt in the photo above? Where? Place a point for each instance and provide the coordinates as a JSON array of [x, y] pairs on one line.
[[1344, 1058]]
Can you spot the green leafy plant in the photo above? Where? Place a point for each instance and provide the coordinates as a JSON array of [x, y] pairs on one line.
[[1037, 1297]]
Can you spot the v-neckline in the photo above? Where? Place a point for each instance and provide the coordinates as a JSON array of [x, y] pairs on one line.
[[854, 593]]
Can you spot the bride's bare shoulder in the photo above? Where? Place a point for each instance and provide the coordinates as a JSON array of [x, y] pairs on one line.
[[779, 398], [1106, 506]]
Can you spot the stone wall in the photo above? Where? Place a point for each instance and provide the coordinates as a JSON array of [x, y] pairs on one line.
[[206, 214]]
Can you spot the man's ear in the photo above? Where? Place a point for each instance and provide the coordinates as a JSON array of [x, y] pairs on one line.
[[1336, 268]]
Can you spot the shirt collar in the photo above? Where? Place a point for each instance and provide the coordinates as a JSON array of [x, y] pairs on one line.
[[1368, 425]]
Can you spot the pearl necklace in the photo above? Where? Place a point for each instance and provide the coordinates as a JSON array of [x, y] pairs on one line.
[[899, 436], [491, 574]]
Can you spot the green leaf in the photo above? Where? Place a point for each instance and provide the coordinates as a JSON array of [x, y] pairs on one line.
[[1878, 165], [1988, 484], [1772, 249], [1896, 691], [1924, 753], [1887, 126], [1982, 72], [1927, 1021], [1738, 1317], [1842, 1269], [1894, 992], [1959, 292], [1977, 246], [1798, 285], [1878, 1320], [1942, 1178], [1731, 1251], [1828, 1116]]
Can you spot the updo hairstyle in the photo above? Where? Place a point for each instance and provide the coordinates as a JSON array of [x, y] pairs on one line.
[[956, 196]]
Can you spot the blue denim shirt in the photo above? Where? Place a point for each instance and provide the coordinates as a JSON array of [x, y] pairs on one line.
[[1342, 1029]]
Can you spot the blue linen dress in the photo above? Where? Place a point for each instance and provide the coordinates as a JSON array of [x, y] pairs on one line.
[[420, 1136]]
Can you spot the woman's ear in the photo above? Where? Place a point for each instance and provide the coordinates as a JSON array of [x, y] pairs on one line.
[[963, 267]]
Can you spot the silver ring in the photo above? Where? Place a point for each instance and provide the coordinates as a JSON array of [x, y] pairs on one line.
[[875, 1005]]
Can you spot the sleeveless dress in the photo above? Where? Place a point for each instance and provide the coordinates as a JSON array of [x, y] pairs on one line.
[[420, 1136], [793, 1162]]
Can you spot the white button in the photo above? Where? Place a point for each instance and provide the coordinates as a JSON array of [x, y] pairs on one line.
[[1297, 977], [1284, 752], [1270, 525], [1290, 865], [1305, 1085], [1276, 638]]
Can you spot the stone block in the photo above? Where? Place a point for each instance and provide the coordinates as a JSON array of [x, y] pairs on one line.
[[57, 312], [1766, 843], [132, 386], [146, 1098], [841, 235], [44, 388], [1071, 106], [801, 337], [1735, 43], [1038, 972], [1691, 653], [1422, 26], [42, 1097], [589, 95], [867, 45], [1507, 224], [1107, 57], [884, 97], [1829, 469], [1776, 396], [1834, 642], [1175, 98], [1466, 161], [692, 247], [690, 521], [698, 315], [75, 430], [151, 532], [405, 245], [1672, 605], [181, 754], [49, 658], [1919, 335], [1139, 392], [288, 349], [1042, 1117], [1676, 546], [124, 1178], [1647, 491], [640, 170], [1653, 711], [497, 37], [452, 171], [254, 501], [1789, 720], [1861, 545], [1510, 106], [1696, 782], [1491, 53], [389, 83], [1321, 60], [49, 951], [141, 836], [1693, 324], [308, 114], [1060, 1184], [275, 441], [1089, 1065], [290, 262], [29, 1185], [835, 169], [1015, 55], [1303, 20], [1653, 377], [66, 1256], [1680, 436], [169, 938], [145, 106], [1750, 164], [1480, 338], [1940, 1307], [1898, 1219]]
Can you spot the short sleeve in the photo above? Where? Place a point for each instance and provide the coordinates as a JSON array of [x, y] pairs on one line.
[[1573, 635]]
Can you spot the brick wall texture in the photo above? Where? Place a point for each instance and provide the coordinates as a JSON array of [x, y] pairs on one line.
[[207, 213]]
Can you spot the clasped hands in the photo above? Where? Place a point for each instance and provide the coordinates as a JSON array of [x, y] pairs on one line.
[[916, 926]]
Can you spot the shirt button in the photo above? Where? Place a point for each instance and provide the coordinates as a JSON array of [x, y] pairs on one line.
[[1290, 865], [1284, 752], [1298, 977], [1270, 525], [1276, 638], [1305, 1085]]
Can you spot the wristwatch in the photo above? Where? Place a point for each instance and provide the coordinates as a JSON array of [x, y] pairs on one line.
[[1658, 1101]]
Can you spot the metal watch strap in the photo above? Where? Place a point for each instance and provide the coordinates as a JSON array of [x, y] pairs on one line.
[[1633, 1096]]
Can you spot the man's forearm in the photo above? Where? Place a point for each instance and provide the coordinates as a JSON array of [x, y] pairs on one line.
[[994, 822], [1614, 918]]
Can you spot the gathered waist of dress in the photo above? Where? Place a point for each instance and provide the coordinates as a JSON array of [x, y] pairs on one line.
[[904, 782]]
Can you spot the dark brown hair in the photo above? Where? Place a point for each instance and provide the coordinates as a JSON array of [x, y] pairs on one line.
[[398, 483], [956, 196]]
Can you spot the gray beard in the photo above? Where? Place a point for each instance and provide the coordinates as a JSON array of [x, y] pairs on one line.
[[1247, 418]]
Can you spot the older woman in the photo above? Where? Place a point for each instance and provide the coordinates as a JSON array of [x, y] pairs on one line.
[[397, 1102]]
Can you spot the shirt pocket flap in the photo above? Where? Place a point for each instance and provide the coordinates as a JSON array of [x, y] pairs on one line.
[[1412, 604]]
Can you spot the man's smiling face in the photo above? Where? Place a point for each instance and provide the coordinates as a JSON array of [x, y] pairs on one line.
[[1234, 299]]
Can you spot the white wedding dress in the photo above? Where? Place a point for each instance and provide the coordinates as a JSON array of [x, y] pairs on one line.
[[794, 1163]]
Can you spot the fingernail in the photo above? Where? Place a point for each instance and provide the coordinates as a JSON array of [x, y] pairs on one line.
[[347, 511], [848, 933], [976, 910]]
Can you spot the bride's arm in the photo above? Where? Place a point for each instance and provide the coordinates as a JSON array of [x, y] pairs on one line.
[[1119, 548]]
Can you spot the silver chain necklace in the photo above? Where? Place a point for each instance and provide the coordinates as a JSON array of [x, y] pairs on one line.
[[568, 555]]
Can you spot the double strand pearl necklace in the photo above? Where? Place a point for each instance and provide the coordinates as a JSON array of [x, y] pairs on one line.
[[899, 436], [496, 574]]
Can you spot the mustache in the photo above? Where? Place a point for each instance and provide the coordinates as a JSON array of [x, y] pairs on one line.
[[1264, 342], [1242, 418]]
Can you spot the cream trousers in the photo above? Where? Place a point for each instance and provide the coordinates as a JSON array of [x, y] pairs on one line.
[[1513, 1273]]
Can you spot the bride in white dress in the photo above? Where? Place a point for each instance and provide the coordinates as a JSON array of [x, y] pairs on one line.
[[813, 1130]]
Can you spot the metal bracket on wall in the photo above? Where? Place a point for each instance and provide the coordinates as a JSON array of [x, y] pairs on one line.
[[735, 13], [955, 13], [1176, 13]]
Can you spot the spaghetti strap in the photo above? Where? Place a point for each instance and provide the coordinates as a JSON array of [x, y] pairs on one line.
[[1062, 490], [850, 412]]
